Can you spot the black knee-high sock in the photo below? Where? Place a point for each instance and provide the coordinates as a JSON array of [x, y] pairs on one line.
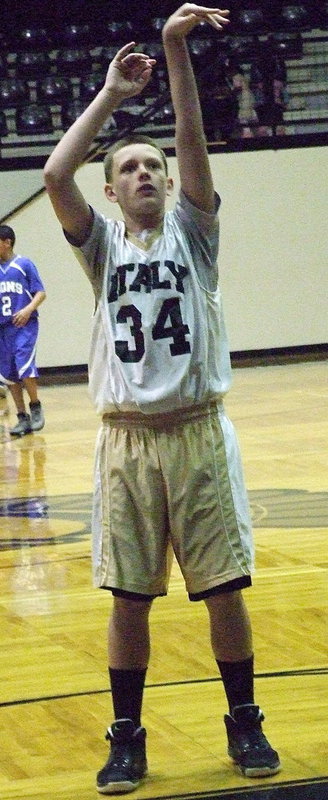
[[238, 681], [127, 687]]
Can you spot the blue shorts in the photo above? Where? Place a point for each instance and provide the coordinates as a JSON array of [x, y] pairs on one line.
[[18, 352]]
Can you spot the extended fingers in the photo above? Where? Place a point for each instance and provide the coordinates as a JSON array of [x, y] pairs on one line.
[[191, 8], [124, 51], [136, 59], [217, 20], [214, 16], [124, 55]]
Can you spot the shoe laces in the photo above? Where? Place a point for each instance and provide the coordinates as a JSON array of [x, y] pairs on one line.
[[256, 737], [249, 726], [253, 738], [120, 755]]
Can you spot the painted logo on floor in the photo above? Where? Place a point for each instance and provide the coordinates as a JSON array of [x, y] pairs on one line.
[[270, 508]]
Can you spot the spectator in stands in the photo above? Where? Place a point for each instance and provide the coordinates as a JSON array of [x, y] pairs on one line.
[[219, 104], [247, 119], [268, 84]]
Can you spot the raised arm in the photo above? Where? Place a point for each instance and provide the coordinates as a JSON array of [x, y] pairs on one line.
[[127, 75], [190, 141]]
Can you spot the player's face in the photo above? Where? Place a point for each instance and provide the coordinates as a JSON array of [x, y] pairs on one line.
[[139, 182], [5, 249]]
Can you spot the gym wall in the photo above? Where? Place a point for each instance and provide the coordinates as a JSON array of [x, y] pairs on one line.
[[273, 255]]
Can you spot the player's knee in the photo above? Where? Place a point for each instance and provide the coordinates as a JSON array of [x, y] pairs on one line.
[[132, 607], [219, 603]]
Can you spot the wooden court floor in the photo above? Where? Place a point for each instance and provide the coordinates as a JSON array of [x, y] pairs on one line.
[[55, 703]]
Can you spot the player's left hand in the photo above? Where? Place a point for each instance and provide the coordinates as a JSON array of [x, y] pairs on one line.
[[21, 317], [187, 16]]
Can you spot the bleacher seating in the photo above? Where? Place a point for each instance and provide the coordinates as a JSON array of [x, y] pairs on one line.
[[49, 72]]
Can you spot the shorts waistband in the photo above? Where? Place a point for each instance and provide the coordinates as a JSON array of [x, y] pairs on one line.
[[167, 419]]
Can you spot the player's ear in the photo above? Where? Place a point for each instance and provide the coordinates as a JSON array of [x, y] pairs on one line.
[[169, 186], [110, 193]]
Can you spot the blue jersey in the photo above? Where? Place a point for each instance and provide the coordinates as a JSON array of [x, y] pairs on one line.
[[19, 282]]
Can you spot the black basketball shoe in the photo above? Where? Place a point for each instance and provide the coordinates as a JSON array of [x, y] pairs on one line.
[[247, 745], [127, 763]]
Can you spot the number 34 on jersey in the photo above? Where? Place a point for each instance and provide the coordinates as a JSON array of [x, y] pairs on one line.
[[169, 323]]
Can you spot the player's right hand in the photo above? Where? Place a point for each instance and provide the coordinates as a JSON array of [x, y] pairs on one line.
[[128, 72]]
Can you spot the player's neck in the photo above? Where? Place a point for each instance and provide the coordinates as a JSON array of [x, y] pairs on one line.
[[146, 238], [146, 222]]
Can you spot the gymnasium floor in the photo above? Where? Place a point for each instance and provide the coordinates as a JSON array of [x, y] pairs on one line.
[[55, 703]]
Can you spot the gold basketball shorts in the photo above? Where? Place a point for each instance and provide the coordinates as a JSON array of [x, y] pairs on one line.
[[169, 483]]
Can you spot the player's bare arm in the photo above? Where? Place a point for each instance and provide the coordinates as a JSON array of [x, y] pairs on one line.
[[127, 75], [191, 149]]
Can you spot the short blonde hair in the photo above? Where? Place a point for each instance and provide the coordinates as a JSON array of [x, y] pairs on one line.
[[133, 138]]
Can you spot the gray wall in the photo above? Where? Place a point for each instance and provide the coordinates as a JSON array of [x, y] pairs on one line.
[[273, 258]]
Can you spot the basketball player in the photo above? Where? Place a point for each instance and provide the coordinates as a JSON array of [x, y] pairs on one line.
[[168, 472], [21, 292]]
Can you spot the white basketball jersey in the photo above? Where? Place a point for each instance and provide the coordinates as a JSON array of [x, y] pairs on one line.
[[158, 340]]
